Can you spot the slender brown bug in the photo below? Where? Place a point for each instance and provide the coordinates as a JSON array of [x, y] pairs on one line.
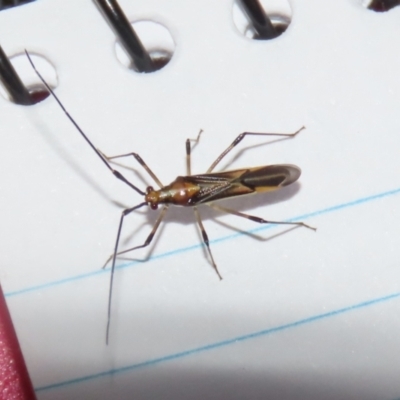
[[194, 190]]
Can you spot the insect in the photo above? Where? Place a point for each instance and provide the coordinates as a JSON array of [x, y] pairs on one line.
[[194, 190]]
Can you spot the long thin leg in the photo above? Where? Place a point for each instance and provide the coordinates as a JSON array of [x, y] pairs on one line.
[[205, 240], [258, 219], [114, 256], [117, 174], [139, 160], [241, 137], [188, 151]]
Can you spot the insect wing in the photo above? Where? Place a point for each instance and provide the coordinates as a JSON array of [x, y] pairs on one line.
[[271, 177], [239, 182]]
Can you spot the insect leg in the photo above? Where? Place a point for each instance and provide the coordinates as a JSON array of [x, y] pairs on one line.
[[188, 151], [205, 240], [240, 137], [117, 174], [114, 256], [257, 219], [140, 161]]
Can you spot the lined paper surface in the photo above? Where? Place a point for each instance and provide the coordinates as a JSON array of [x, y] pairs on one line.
[[299, 314]]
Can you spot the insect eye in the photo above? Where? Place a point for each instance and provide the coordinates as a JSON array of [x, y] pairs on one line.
[[154, 206], [149, 189]]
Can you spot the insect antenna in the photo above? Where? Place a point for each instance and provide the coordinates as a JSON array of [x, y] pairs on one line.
[[116, 253], [123, 215], [116, 173]]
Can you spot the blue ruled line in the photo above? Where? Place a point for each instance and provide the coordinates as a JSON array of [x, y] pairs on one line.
[[216, 345], [303, 217]]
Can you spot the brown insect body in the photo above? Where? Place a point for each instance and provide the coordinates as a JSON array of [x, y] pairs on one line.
[[192, 190]]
